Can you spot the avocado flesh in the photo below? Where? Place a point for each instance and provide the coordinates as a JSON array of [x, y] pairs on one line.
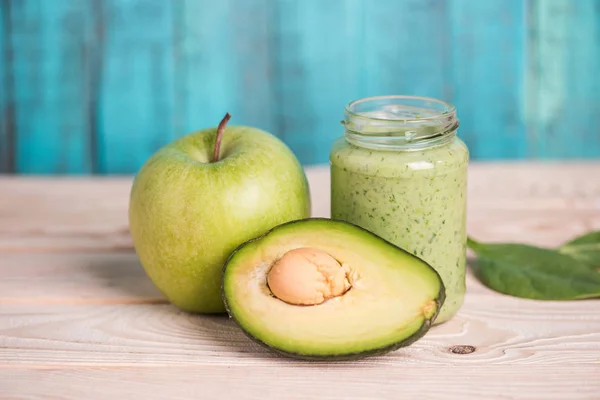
[[393, 300]]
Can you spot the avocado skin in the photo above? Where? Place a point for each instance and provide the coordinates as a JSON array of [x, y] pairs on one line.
[[441, 297]]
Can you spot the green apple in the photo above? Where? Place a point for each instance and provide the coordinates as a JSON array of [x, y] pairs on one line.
[[199, 197]]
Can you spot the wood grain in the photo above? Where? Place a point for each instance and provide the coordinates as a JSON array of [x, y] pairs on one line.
[[7, 103], [488, 69], [80, 319], [320, 53], [303, 382], [57, 214], [223, 58], [75, 278], [405, 39], [502, 329], [136, 98], [563, 92], [97, 86], [50, 87]]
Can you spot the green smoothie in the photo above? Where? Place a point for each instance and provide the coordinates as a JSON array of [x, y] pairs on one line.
[[414, 199]]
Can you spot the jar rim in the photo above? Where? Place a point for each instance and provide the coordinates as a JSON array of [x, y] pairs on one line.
[[450, 108], [400, 122]]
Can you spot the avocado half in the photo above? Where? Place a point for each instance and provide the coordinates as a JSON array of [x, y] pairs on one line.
[[392, 302]]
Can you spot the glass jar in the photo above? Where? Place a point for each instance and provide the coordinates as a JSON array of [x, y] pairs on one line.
[[400, 172]]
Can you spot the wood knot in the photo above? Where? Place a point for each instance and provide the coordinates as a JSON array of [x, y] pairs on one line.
[[462, 349]]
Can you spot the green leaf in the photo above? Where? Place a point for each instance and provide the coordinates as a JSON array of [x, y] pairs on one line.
[[585, 248], [533, 272]]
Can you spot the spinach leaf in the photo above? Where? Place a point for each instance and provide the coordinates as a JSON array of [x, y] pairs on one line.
[[533, 272], [585, 248]]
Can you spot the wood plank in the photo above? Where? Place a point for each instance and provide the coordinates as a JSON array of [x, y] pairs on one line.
[[7, 106], [406, 48], [75, 278], [545, 203], [306, 381], [51, 85], [487, 58], [502, 329], [223, 64], [136, 90], [564, 84], [64, 213], [319, 56], [89, 323]]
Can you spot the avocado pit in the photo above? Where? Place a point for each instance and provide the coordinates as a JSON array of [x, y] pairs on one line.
[[307, 276]]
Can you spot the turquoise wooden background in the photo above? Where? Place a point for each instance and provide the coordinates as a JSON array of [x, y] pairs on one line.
[[95, 86]]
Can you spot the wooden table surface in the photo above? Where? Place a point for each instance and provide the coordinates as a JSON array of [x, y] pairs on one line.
[[79, 318]]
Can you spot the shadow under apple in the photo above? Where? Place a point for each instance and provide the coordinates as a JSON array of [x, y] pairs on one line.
[[120, 279]]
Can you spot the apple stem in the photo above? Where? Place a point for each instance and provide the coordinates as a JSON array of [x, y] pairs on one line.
[[220, 131]]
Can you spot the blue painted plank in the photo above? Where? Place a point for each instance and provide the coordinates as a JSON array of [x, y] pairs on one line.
[[406, 48], [223, 62], [6, 103], [136, 96], [318, 71], [49, 41], [487, 53], [564, 79], [115, 80]]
